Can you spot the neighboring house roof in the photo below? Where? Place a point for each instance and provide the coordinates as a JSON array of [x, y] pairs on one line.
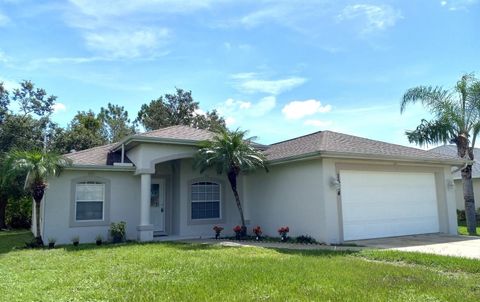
[[451, 150], [322, 143], [335, 144]]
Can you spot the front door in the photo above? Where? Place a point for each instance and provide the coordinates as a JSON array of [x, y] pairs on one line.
[[157, 205]]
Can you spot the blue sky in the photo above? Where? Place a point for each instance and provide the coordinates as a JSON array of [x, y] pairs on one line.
[[277, 68]]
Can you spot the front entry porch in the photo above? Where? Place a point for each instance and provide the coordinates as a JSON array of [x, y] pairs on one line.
[[156, 203]]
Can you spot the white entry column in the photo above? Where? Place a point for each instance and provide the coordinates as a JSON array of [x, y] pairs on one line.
[[145, 229]]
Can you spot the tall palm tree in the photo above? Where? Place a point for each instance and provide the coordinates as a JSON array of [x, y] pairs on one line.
[[38, 166], [456, 119], [231, 153]]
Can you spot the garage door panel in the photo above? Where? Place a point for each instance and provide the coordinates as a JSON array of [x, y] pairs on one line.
[[382, 204]]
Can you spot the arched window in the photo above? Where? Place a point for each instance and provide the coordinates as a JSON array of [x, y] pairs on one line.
[[205, 200]]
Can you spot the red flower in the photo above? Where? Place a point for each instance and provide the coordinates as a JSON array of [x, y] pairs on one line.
[[257, 230], [237, 229], [283, 230]]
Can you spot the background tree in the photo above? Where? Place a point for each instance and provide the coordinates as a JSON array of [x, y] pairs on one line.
[[38, 166], [21, 130], [116, 123], [211, 120], [456, 120], [231, 153], [177, 109], [84, 131]]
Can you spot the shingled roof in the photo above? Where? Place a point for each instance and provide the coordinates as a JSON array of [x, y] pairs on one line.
[[451, 150], [318, 143], [338, 143]]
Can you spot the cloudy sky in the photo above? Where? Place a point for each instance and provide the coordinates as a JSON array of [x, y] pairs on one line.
[[277, 68]]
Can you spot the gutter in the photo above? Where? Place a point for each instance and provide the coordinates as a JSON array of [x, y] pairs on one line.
[[342, 155], [101, 168]]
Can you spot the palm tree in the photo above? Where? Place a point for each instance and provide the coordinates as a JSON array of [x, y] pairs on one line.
[[456, 119], [231, 153], [38, 166]]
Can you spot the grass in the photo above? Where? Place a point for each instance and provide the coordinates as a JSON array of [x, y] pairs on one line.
[[462, 228], [14, 239], [187, 272]]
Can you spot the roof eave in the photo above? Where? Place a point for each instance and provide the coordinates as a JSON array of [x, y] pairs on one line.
[[100, 168], [144, 139], [344, 155]]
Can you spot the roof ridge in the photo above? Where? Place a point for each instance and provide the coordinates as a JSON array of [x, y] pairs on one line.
[[373, 140], [294, 138], [160, 129]]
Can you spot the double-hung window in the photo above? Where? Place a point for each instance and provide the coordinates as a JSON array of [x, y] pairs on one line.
[[205, 200], [89, 201]]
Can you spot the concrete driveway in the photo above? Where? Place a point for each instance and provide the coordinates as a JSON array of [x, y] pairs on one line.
[[440, 244]]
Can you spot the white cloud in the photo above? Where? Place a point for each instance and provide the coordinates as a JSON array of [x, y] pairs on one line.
[[124, 7], [59, 107], [300, 109], [9, 84], [318, 123], [251, 83], [229, 121], [454, 5], [372, 17], [243, 112], [127, 44], [4, 19]]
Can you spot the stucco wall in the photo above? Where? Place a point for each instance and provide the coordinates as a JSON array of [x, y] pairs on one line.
[[459, 193], [124, 205], [231, 216], [289, 195], [145, 156]]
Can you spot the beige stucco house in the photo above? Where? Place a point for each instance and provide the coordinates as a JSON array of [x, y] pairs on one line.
[[451, 150], [331, 186]]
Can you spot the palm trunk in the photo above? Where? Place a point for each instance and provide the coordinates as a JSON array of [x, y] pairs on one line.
[[464, 151], [3, 209], [232, 178], [38, 235], [468, 196]]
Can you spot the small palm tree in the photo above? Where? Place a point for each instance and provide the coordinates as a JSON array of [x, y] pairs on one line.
[[38, 166], [231, 153], [456, 120]]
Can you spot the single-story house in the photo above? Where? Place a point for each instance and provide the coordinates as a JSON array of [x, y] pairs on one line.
[[331, 186], [451, 150]]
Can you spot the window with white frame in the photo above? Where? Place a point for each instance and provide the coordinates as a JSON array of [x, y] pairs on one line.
[[89, 201], [205, 197]]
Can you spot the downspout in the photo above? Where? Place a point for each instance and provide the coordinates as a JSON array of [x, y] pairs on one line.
[[123, 153], [461, 168]]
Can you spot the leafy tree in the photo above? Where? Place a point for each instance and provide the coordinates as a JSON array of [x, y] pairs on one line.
[[177, 109], [4, 102], [84, 131], [22, 130], [116, 124], [457, 120], [38, 166], [231, 153], [210, 121], [33, 100]]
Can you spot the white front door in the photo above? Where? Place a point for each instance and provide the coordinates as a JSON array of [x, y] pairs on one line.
[[157, 205]]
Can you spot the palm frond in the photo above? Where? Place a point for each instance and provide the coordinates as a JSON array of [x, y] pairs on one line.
[[431, 132], [429, 96]]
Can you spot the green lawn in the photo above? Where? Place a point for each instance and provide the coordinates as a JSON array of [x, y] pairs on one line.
[[186, 272], [462, 228]]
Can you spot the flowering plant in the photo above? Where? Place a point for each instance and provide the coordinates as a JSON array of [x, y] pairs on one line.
[[257, 231], [283, 232], [218, 230], [237, 229]]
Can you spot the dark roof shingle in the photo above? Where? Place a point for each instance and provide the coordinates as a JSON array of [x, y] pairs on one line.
[[328, 141]]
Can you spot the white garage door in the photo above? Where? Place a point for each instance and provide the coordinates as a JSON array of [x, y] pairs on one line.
[[385, 204]]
